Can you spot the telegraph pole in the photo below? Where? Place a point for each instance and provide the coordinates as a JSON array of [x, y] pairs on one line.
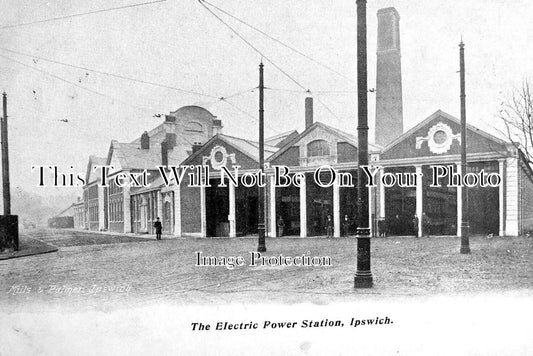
[[5, 161], [9, 232], [261, 196], [363, 275], [465, 242]]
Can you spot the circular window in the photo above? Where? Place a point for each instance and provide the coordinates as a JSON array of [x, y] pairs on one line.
[[219, 156], [440, 137]]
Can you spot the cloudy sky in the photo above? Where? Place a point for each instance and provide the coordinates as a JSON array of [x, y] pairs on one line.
[[178, 44]]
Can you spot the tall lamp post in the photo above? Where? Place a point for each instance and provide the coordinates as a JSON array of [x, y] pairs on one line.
[[363, 275], [261, 206], [465, 243]]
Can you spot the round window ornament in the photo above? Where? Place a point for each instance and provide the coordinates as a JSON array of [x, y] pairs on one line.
[[440, 138], [219, 157]]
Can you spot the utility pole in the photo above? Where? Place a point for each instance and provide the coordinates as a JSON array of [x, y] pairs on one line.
[[5, 161], [363, 275], [465, 243], [261, 196], [9, 233]]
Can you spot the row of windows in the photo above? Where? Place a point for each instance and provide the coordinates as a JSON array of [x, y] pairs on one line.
[[114, 188], [151, 206], [116, 209], [93, 211], [345, 151], [90, 193]]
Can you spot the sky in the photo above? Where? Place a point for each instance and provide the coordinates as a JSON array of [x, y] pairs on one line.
[[179, 44]]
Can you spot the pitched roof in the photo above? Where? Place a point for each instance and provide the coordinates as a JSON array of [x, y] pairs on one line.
[[280, 139], [440, 113], [156, 184], [131, 156], [372, 148], [94, 161], [248, 147], [66, 212]]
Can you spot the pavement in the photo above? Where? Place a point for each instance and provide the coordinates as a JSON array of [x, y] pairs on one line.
[[27, 247], [108, 271]]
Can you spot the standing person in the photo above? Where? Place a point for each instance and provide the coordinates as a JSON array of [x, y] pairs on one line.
[[382, 227], [281, 225], [346, 224], [158, 227], [426, 224], [329, 227], [415, 225]]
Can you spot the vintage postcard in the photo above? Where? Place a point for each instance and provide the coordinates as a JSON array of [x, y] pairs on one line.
[[206, 177]]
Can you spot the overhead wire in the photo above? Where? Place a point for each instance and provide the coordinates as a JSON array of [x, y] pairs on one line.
[[75, 84], [251, 90], [80, 14], [266, 57], [252, 46], [278, 41], [218, 99], [123, 77], [248, 114]]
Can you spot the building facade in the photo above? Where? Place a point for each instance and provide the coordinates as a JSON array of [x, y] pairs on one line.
[[404, 201], [212, 206]]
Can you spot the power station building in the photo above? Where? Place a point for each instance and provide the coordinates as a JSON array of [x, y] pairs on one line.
[[192, 137]]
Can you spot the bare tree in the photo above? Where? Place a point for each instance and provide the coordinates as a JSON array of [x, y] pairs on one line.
[[516, 114]]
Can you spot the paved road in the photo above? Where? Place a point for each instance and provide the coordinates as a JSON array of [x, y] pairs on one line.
[[109, 271]]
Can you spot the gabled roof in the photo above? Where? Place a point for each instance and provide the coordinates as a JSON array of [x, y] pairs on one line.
[[247, 147], [442, 114], [155, 184], [94, 161], [66, 212], [352, 139], [280, 139], [131, 156]]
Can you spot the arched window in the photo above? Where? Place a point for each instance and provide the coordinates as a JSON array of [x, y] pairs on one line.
[[317, 148], [193, 126]]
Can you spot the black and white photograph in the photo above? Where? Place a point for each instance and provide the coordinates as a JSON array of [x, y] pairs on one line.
[[207, 177]]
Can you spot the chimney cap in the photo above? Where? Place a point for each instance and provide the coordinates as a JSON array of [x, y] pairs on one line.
[[389, 10]]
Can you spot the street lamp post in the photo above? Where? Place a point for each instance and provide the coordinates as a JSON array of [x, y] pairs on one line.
[[261, 196], [465, 243], [363, 275]]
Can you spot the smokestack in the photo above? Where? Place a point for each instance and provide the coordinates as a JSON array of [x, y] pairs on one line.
[[145, 141], [389, 107], [164, 153], [308, 112]]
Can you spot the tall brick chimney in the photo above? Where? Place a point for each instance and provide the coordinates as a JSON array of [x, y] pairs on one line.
[[308, 112], [389, 108], [145, 141], [164, 153]]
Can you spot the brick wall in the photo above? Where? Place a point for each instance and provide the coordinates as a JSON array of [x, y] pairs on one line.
[[526, 199], [511, 185], [191, 207]]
